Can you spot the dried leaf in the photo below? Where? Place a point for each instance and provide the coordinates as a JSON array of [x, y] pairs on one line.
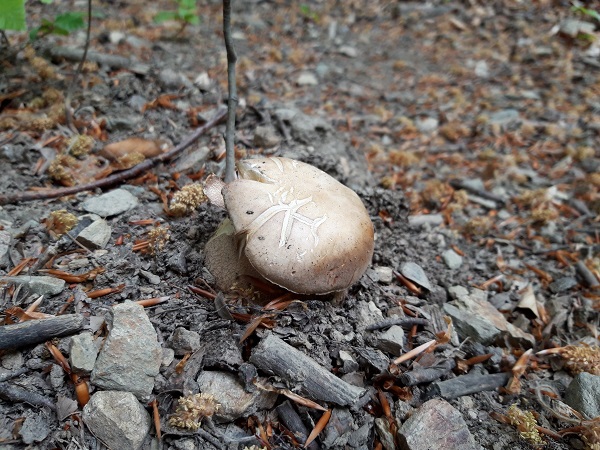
[[528, 300], [118, 150]]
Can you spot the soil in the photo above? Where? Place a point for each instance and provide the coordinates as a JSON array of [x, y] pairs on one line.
[[404, 102]]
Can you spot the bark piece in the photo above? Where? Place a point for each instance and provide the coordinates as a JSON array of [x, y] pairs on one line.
[[290, 418], [467, 384], [277, 357], [427, 374], [33, 332]]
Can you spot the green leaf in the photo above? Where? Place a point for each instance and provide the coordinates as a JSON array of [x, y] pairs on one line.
[[69, 22], [46, 2], [189, 4], [165, 15], [192, 19], [12, 15]]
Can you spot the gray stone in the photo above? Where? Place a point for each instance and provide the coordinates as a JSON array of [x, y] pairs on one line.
[[489, 204], [184, 341], [131, 355], [137, 102], [307, 79], [436, 425], [385, 436], [374, 358], [117, 419], [392, 340], [458, 292], [192, 161], [482, 69], [83, 352], [112, 203], [229, 392], [359, 438], [427, 124], [348, 51], [432, 220], [203, 82], [385, 275], [96, 235], [563, 284], [415, 273], [12, 360], [116, 37], [41, 285], [122, 123], [4, 247], [583, 394], [168, 356], [35, 429], [572, 27], [173, 80], [367, 314], [475, 317], [337, 431], [503, 117], [57, 377], [349, 364], [452, 259], [266, 137], [152, 279]]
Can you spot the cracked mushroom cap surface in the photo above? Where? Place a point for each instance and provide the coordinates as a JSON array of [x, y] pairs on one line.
[[299, 227]]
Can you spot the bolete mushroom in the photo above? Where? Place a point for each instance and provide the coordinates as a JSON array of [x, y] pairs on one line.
[[294, 225]]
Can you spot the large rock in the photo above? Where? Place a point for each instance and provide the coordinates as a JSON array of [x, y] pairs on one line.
[[131, 356], [117, 419], [436, 425], [40, 285], [583, 394], [475, 317]]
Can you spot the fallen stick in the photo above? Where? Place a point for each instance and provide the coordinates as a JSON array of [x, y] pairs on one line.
[[34, 332], [427, 374], [466, 385], [276, 357], [402, 321], [588, 278], [16, 394], [460, 184], [290, 418], [113, 61], [118, 177]]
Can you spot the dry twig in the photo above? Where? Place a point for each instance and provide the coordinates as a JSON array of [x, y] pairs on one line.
[[117, 178]]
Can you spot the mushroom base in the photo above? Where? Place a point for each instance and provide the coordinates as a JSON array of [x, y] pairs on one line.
[[233, 272]]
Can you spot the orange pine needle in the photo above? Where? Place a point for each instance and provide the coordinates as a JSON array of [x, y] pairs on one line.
[[414, 352], [105, 291], [320, 426]]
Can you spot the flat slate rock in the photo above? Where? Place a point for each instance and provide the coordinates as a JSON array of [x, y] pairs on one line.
[[436, 425], [112, 203]]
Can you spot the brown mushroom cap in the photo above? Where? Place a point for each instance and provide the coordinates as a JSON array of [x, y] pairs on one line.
[[301, 229]]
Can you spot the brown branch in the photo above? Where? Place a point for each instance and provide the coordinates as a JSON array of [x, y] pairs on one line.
[[16, 197]]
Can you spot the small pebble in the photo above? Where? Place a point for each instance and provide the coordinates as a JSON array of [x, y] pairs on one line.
[[452, 259]]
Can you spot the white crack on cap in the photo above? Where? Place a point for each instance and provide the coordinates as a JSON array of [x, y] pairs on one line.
[[298, 227]]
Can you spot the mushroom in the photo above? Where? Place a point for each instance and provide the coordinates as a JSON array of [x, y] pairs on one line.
[[293, 225]]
